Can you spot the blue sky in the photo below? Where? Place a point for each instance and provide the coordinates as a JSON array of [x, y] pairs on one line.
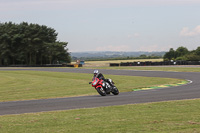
[[112, 25]]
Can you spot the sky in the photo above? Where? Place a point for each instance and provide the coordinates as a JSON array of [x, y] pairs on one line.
[[112, 25]]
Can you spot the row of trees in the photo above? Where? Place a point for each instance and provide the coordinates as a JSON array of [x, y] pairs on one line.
[[30, 44], [182, 53]]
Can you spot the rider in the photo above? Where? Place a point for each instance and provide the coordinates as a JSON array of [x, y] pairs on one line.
[[99, 75]]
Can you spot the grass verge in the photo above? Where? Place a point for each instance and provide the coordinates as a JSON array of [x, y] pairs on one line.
[[27, 85], [174, 117], [150, 68]]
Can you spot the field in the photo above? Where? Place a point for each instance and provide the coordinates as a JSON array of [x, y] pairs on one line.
[[107, 63], [174, 116]]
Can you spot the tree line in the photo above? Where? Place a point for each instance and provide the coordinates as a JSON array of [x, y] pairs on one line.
[[31, 44], [182, 53]]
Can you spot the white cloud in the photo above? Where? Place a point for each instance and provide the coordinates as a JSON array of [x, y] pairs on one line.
[[190, 33]]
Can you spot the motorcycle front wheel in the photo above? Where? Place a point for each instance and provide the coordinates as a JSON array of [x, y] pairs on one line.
[[101, 91]]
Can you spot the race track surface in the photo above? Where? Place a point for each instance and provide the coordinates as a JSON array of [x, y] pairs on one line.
[[189, 91]]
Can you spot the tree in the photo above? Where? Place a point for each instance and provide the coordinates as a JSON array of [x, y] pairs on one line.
[[30, 44], [193, 55], [171, 55], [181, 51], [197, 51]]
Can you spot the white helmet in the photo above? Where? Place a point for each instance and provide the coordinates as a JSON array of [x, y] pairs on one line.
[[96, 71]]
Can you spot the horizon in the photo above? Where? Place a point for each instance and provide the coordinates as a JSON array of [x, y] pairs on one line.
[[116, 51]]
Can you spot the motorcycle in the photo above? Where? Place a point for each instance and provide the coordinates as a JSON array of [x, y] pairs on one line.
[[103, 87]]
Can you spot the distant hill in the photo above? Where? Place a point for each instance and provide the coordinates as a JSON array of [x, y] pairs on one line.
[[114, 54]]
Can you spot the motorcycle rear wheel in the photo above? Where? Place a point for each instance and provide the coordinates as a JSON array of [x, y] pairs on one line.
[[101, 91]]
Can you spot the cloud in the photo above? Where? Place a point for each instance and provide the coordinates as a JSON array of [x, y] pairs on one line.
[[190, 33]]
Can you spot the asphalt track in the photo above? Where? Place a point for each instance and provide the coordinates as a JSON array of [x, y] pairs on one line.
[[189, 91]]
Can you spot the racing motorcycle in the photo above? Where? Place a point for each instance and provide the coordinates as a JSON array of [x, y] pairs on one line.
[[103, 87]]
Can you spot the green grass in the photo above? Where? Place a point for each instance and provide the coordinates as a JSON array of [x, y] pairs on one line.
[[150, 68], [162, 117], [27, 85]]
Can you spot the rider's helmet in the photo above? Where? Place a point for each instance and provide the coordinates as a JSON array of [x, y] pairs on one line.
[[96, 72]]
